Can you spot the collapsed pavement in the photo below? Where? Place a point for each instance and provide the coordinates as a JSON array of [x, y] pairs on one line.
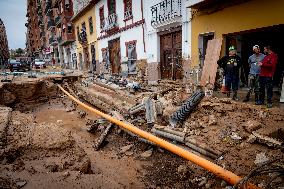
[[218, 129]]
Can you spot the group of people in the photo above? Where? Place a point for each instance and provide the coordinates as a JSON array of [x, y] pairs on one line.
[[262, 68]]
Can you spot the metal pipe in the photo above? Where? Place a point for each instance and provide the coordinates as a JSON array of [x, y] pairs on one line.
[[228, 176]]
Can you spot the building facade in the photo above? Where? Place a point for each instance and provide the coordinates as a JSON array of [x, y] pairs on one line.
[[242, 24], [4, 49], [34, 28], [168, 44], [86, 37], [121, 35]]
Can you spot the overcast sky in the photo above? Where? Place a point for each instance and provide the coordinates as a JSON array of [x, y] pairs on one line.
[[13, 14]]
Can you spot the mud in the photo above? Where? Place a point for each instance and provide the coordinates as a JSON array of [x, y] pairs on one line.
[[45, 141]]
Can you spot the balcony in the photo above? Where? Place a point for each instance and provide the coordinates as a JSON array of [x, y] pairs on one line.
[[83, 37], [110, 22], [166, 12], [42, 34], [128, 15], [57, 20], [50, 24], [52, 40], [48, 7], [59, 39]]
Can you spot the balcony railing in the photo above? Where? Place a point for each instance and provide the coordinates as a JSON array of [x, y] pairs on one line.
[[110, 22], [48, 7], [59, 39], [57, 20], [83, 37], [167, 11], [128, 15], [52, 40], [50, 24]]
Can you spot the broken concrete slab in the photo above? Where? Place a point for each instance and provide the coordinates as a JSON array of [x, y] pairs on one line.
[[125, 148], [147, 153]]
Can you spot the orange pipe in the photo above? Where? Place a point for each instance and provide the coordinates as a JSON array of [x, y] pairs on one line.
[[226, 175]]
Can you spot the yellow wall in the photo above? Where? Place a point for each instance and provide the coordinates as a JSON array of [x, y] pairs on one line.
[[92, 38], [250, 15]]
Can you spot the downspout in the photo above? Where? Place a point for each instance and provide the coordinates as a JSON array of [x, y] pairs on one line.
[[143, 29]]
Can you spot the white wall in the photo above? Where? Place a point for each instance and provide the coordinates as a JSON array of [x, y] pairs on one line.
[[152, 38], [135, 33]]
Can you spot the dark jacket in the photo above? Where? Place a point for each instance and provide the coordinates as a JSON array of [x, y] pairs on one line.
[[230, 64]]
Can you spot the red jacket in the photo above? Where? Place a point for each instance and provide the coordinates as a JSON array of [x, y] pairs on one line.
[[268, 65]]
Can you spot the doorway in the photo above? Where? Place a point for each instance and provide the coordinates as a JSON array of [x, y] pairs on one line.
[[114, 55], [171, 55], [244, 41], [86, 58]]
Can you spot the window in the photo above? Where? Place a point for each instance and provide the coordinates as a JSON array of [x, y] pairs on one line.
[[78, 33], [102, 17], [91, 26], [127, 9], [111, 7], [84, 26], [69, 28]]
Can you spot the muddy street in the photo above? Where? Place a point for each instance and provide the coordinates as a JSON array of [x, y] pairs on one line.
[[48, 141]]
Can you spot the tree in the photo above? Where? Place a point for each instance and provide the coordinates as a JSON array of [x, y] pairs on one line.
[[19, 52]]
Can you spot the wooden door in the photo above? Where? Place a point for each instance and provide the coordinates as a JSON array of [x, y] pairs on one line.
[[171, 55], [114, 54]]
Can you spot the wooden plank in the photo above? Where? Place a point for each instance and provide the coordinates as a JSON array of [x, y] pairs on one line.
[[210, 63]]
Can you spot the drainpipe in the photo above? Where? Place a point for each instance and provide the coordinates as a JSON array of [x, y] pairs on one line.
[[143, 29]]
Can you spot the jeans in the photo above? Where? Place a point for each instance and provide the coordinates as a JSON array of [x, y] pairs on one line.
[[266, 83], [232, 82]]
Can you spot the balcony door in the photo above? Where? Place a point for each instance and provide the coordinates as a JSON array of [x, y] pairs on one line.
[[171, 55], [111, 7]]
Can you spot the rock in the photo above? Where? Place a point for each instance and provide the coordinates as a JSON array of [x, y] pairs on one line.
[[66, 174], [208, 185], [235, 136], [59, 121], [212, 120], [147, 153], [252, 125], [182, 169], [20, 184], [203, 182], [229, 187], [82, 114], [262, 114], [251, 139], [128, 153], [260, 158], [125, 148]]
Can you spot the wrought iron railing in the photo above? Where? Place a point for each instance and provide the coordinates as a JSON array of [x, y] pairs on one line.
[[50, 24], [128, 14], [57, 20], [110, 22], [165, 11]]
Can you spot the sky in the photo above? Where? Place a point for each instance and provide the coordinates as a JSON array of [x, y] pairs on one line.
[[13, 14]]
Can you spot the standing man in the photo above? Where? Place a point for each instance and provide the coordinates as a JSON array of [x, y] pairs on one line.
[[267, 69], [231, 64], [253, 62]]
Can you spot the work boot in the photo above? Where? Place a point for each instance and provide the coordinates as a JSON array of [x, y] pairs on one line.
[[269, 105], [256, 97], [247, 98], [259, 102], [235, 95], [228, 94]]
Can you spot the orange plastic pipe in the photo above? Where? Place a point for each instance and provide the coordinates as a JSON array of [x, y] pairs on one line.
[[226, 175]]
